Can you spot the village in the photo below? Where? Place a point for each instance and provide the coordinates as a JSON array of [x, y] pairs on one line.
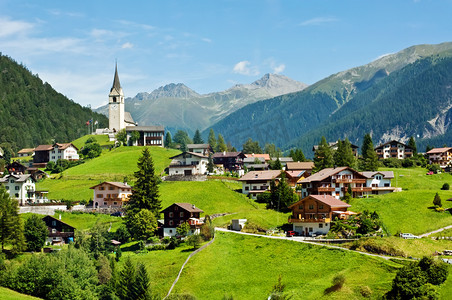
[[315, 202]]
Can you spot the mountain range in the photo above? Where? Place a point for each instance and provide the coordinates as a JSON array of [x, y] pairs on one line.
[[397, 96], [176, 106]]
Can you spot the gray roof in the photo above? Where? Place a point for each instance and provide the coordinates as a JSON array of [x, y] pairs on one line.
[[283, 159], [128, 118], [19, 178], [252, 159], [145, 128], [192, 153], [198, 146]]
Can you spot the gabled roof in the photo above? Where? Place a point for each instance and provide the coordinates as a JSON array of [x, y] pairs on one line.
[[386, 174], [55, 219], [192, 153], [306, 165], [254, 155], [325, 173], [393, 141], [44, 148], [252, 159], [439, 150], [186, 206], [128, 118], [64, 146], [283, 159], [116, 84], [228, 154], [332, 144], [26, 150], [260, 175], [295, 174], [120, 185], [18, 178], [325, 199]]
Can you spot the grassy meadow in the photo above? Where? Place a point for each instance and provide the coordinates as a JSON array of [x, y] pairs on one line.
[[246, 267], [103, 140], [7, 294], [411, 210]]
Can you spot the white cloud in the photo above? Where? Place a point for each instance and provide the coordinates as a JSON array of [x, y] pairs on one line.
[[127, 45], [207, 40], [9, 27], [279, 68], [244, 68], [318, 21]]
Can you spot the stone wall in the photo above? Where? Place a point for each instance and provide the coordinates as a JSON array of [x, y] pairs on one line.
[[185, 178]]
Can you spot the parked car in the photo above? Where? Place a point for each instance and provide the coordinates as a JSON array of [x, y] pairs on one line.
[[430, 173], [408, 236], [291, 233]]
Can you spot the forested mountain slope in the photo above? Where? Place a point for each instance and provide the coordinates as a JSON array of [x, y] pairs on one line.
[[284, 120], [33, 113]]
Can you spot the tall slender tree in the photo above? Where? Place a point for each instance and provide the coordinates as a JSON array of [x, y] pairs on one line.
[[370, 158], [145, 193], [221, 145], [168, 140], [197, 139], [323, 156], [11, 225], [412, 145], [212, 140]]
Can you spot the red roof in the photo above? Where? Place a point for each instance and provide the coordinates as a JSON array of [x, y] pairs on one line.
[[439, 150], [264, 156], [326, 199], [117, 184], [187, 206]]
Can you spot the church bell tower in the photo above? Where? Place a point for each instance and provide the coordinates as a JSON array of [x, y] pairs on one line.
[[116, 105]]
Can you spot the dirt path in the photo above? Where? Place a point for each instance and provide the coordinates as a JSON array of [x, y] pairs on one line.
[[186, 261], [435, 231]]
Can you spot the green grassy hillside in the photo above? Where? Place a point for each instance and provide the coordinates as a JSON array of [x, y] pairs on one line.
[[114, 165], [247, 267], [101, 139], [7, 294], [410, 210]]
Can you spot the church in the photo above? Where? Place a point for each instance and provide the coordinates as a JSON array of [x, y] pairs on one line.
[[120, 119]]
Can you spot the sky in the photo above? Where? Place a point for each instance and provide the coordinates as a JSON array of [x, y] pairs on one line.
[[207, 45]]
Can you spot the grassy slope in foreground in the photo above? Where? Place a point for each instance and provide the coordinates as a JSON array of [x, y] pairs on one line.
[[247, 267], [112, 165], [410, 210], [103, 140], [7, 294]]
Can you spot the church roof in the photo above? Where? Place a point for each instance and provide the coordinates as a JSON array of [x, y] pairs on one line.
[[128, 118], [116, 84]]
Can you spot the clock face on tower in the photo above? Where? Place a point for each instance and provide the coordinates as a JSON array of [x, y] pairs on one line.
[[114, 106]]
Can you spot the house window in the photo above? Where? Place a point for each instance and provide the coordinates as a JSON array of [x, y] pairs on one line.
[[100, 195], [115, 203], [11, 181], [111, 188], [105, 203], [170, 214], [321, 206], [53, 223], [7, 187], [171, 231], [53, 230], [310, 229], [181, 214], [311, 206], [247, 188], [300, 207], [320, 225], [101, 188], [171, 223]]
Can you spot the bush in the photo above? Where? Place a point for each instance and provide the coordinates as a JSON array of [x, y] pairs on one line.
[[157, 247], [445, 187], [439, 209], [365, 291], [437, 201]]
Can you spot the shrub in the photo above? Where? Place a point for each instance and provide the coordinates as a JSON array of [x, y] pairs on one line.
[[365, 291], [439, 209], [157, 247], [445, 187], [437, 201]]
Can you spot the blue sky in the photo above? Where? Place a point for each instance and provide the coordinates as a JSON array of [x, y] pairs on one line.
[[207, 45]]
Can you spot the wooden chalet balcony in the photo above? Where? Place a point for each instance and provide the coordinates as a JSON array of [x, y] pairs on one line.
[[116, 199], [61, 234], [303, 220], [362, 189], [349, 180], [325, 189]]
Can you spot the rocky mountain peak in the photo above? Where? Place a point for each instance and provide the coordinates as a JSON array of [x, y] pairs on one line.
[[277, 84], [173, 90]]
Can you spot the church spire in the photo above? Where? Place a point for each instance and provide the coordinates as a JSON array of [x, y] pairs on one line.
[[116, 84]]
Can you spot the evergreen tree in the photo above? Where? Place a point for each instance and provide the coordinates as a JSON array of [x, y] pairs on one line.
[[11, 225], [221, 145], [126, 281], [276, 165], [141, 284], [323, 156], [168, 140], [271, 150], [197, 139], [297, 155], [145, 194], [370, 158], [252, 147], [349, 158], [35, 232], [183, 146], [181, 136], [212, 140], [437, 201], [412, 145], [210, 164]]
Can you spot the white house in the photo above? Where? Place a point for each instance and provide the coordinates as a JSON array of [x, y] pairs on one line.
[[20, 187], [63, 151], [394, 149], [111, 194], [379, 181], [188, 163], [257, 182], [441, 156], [203, 149], [26, 152]]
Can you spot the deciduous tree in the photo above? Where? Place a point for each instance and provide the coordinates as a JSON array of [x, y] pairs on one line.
[[35, 232], [11, 225]]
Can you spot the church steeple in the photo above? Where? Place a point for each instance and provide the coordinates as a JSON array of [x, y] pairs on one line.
[[116, 84]]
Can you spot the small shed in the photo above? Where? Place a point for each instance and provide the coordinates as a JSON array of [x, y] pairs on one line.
[[238, 224]]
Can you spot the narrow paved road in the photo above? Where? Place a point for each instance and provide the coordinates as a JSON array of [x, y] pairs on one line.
[[435, 231], [300, 240]]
